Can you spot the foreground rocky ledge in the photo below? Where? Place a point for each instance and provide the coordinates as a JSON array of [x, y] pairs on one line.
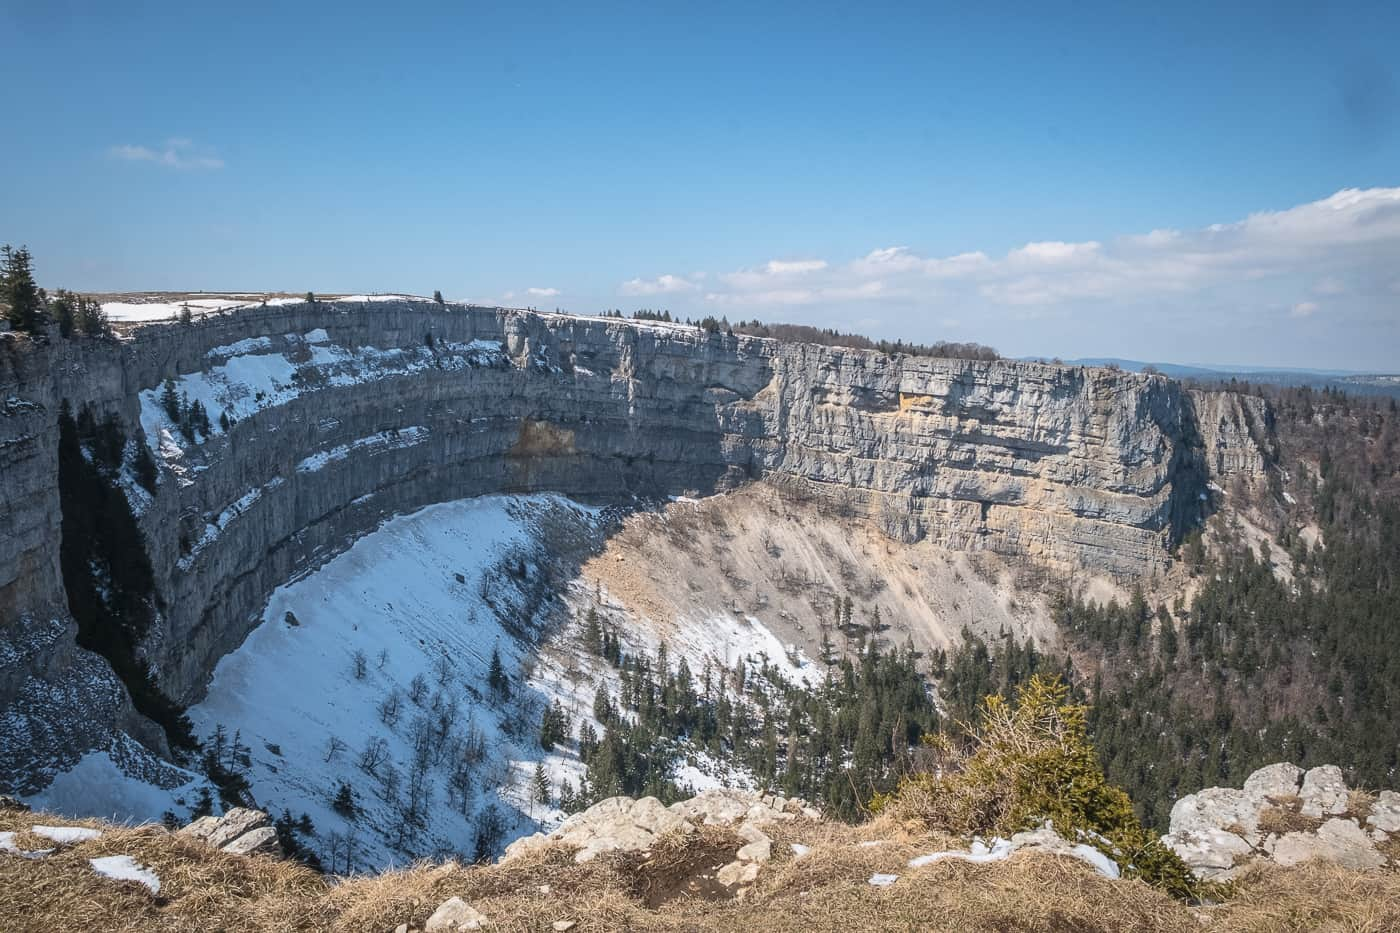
[[817, 875]]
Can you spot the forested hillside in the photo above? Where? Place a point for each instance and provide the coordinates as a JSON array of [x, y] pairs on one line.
[[1288, 649]]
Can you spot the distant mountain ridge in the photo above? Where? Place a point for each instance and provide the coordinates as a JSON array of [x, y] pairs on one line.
[[1346, 380]]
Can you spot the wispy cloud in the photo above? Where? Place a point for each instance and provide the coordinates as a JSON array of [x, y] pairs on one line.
[[1333, 256], [542, 292], [177, 152], [661, 285], [1352, 228]]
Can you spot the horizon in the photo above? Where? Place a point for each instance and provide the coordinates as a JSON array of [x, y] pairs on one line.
[[1214, 186]]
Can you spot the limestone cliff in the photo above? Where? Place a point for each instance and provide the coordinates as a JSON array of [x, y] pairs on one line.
[[345, 413]]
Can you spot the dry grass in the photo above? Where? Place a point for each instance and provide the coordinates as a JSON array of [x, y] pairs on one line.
[[828, 889], [1315, 896], [1283, 815]]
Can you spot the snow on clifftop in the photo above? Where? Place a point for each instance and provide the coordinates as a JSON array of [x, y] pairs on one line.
[[256, 373]]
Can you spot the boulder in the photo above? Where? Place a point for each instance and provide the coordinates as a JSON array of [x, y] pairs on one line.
[[455, 914], [760, 850], [235, 823], [1340, 841], [1324, 792], [1276, 780], [1209, 853], [261, 841], [200, 828], [1385, 812], [737, 873], [1216, 808]]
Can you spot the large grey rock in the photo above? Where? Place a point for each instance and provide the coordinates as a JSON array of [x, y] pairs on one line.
[[260, 841], [1215, 808], [1216, 830], [1324, 792], [1276, 780], [455, 914], [235, 823], [200, 828], [1340, 841], [1385, 812]]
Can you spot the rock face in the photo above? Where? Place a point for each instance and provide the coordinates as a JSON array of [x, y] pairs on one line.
[[346, 413], [1285, 816]]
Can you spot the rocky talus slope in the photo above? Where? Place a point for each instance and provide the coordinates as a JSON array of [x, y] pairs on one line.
[[342, 414]]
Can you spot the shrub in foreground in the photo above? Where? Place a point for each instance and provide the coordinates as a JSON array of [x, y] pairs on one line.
[[1024, 762]]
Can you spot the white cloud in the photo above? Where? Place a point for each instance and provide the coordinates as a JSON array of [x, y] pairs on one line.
[[661, 285], [774, 270], [542, 292], [177, 152], [1147, 292], [1054, 252]]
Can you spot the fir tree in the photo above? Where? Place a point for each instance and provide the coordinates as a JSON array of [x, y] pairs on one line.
[[344, 802], [18, 291], [170, 401]]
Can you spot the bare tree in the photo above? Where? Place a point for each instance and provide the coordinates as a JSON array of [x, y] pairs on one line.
[[389, 708], [334, 746], [418, 689], [382, 659], [375, 753], [442, 669], [361, 664]]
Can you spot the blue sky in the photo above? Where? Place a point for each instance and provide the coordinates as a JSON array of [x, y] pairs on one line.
[[925, 171]]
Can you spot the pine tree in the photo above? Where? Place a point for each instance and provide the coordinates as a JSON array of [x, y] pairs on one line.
[[497, 678], [90, 319], [62, 307], [541, 788], [18, 291], [344, 802], [170, 401], [437, 296]]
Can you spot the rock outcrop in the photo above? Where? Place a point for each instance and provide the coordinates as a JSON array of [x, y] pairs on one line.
[[1284, 816], [624, 824], [240, 831], [341, 414]]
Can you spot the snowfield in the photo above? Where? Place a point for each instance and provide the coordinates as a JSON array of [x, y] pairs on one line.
[[407, 617]]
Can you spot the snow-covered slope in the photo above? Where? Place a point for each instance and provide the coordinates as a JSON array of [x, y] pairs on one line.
[[373, 672]]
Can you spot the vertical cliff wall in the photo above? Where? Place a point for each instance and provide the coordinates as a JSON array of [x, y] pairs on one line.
[[339, 415]]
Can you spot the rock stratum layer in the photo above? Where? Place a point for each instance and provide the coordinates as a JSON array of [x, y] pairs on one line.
[[343, 414]]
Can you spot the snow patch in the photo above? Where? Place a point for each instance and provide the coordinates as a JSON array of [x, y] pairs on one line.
[[98, 786], [126, 868], [375, 443], [65, 835]]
